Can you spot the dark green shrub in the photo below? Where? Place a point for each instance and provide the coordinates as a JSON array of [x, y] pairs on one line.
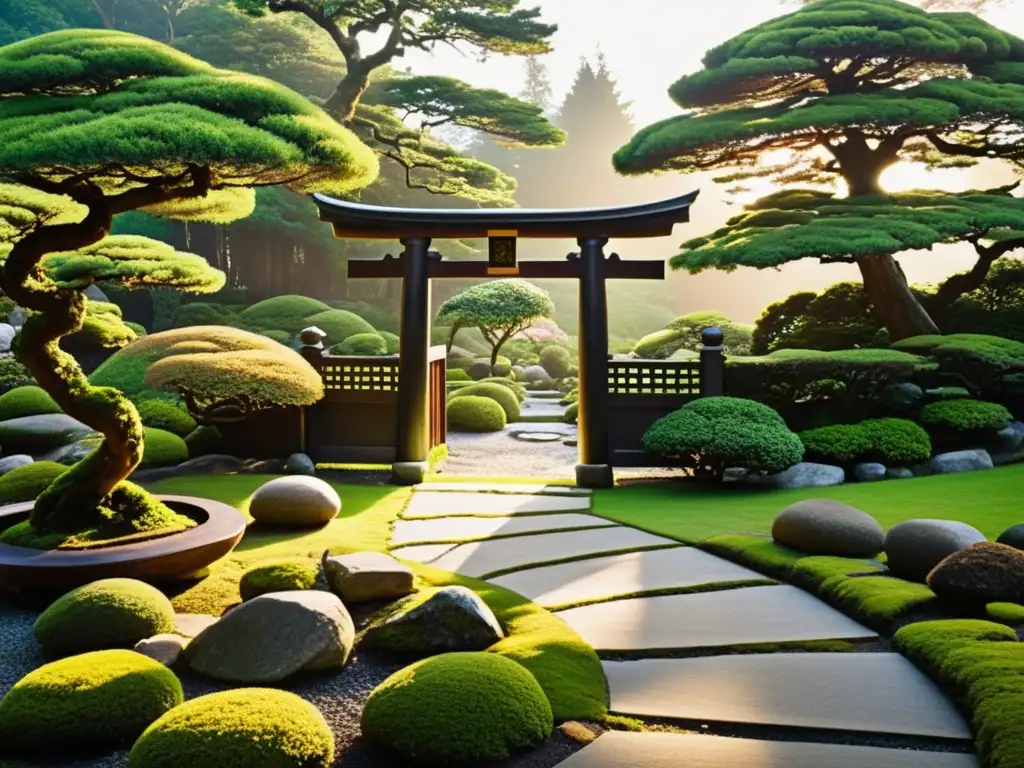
[[287, 313], [948, 393], [660, 344], [162, 449], [203, 441], [167, 416], [841, 444], [897, 442], [503, 396], [556, 361], [339, 325], [95, 701], [737, 338], [26, 401], [361, 344], [110, 613], [27, 482], [456, 374], [281, 337], [840, 317], [472, 414], [13, 374], [278, 576], [392, 341], [964, 416], [571, 414], [204, 313], [712, 434], [458, 708], [248, 727]]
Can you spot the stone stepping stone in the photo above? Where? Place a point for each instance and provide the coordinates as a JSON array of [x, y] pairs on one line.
[[869, 692], [472, 528], [769, 614], [624, 749], [480, 558], [515, 488], [424, 504], [601, 577]]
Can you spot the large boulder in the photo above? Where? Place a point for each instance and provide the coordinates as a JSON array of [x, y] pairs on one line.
[[365, 576], [72, 453], [986, 572], [825, 527], [442, 620], [295, 500], [961, 461], [869, 471], [480, 369], [273, 636], [902, 397], [7, 463], [806, 474], [1009, 439], [299, 464], [7, 334], [899, 473], [35, 435], [536, 373], [1013, 536], [914, 547], [165, 648]]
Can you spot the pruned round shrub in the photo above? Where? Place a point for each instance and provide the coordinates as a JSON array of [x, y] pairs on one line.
[[456, 374], [556, 361], [572, 413], [98, 700], [203, 441], [712, 434], [203, 313], [249, 727], [281, 337], [287, 313], [362, 344], [26, 482], [392, 341], [110, 613], [168, 416], [897, 442], [964, 416], [513, 386], [840, 444], [458, 708], [278, 576], [473, 414], [340, 324], [660, 344], [26, 401], [503, 396], [162, 449], [13, 374]]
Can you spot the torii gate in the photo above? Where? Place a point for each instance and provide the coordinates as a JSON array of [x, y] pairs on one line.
[[415, 228]]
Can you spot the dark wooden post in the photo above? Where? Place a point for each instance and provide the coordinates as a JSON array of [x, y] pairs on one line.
[[594, 469], [412, 446], [712, 363]]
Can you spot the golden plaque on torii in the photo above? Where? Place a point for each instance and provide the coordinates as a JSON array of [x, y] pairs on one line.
[[501, 252]]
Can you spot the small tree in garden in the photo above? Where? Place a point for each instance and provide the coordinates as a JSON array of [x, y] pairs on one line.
[[500, 309], [114, 123]]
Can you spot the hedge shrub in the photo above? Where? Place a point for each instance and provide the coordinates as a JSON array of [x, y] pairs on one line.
[[458, 708], [26, 401], [368, 344], [712, 434], [897, 442], [110, 613], [13, 374], [98, 700], [339, 324], [557, 361], [472, 414], [162, 449], [456, 374], [167, 416], [243, 728], [503, 396], [26, 482], [964, 416], [840, 444], [287, 313], [279, 576], [394, 343]]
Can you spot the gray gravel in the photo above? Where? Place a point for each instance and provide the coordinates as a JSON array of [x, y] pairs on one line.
[[497, 454]]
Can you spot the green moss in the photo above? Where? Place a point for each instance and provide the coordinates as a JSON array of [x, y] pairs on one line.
[[369, 344], [168, 416], [246, 728], [757, 552], [287, 313], [279, 576], [13, 374], [162, 448], [513, 386], [111, 613], [457, 374], [557, 361], [981, 665], [392, 341], [98, 700], [26, 401], [458, 708], [572, 412], [503, 396], [27, 482], [965, 416], [340, 325], [281, 337], [203, 441], [474, 414]]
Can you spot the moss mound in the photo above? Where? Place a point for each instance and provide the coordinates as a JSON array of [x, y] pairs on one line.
[[572, 413], [162, 448], [26, 401], [457, 374], [286, 313], [27, 482], [458, 708], [247, 728], [557, 361], [340, 324], [168, 416], [475, 414], [392, 341], [202, 441], [965, 416], [279, 576], [502, 395], [97, 700], [110, 613], [362, 344]]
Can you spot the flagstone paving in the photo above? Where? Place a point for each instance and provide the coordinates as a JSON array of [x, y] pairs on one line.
[[630, 573], [865, 696], [470, 528], [622, 749]]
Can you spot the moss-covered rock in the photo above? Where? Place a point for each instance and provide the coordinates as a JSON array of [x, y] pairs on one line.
[[162, 449], [203, 441], [168, 416], [557, 361], [475, 414], [26, 482], [572, 413], [278, 576], [457, 374], [248, 728], [340, 324], [286, 313], [93, 701], [458, 709], [502, 395], [26, 401], [393, 342], [110, 613], [986, 572], [362, 345]]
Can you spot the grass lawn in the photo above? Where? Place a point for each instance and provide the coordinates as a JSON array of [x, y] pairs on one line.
[[989, 500]]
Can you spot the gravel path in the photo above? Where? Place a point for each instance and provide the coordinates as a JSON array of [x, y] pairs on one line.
[[499, 454]]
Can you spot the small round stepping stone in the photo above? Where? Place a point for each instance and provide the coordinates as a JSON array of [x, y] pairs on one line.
[[536, 437]]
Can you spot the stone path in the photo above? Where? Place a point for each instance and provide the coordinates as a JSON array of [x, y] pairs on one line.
[[667, 619]]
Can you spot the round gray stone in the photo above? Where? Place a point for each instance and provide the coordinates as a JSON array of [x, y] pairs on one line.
[[7, 463], [961, 461], [914, 547], [869, 472], [536, 373], [295, 500], [1013, 536], [299, 464], [899, 473], [826, 527], [7, 334]]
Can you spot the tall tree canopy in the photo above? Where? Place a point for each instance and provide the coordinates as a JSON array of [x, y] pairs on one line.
[[847, 88], [113, 123]]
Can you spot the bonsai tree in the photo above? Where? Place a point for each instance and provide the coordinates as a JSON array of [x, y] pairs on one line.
[[114, 123], [844, 89], [500, 309]]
